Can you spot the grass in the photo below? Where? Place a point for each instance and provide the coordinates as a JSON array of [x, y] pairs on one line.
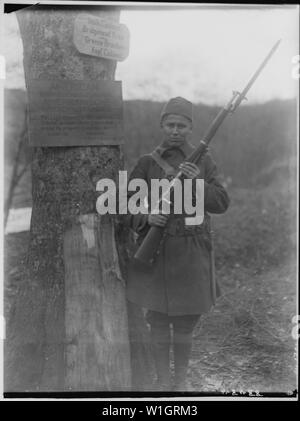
[[245, 343]]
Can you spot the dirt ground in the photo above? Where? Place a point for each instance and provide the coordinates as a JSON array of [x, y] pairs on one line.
[[245, 344]]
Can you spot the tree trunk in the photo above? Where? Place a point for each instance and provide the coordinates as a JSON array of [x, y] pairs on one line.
[[69, 327]]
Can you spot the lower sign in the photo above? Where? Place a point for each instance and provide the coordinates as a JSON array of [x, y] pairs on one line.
[[75, 113]]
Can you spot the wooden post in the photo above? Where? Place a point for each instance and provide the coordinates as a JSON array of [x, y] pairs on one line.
[[69, 329]]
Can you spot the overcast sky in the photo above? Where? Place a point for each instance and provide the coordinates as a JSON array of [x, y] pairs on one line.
[[200, 54]]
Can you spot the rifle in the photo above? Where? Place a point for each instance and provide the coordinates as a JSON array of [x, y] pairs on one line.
[[149, 248]]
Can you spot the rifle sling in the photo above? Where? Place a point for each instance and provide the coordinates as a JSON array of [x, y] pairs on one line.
[[168, 169]]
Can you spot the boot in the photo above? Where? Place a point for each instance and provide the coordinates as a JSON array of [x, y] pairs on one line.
[[183, 327], [162, 363], [161, 353], [182, 352]]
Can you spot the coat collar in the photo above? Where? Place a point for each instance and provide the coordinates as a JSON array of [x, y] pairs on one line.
[[187, 148]]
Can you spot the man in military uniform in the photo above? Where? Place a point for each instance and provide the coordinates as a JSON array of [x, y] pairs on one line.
[[179, 288]]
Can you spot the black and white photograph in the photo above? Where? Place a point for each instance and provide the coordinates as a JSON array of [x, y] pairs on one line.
[[149, 201]]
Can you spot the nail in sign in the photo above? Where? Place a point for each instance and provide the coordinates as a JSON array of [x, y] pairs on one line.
[[101, 38]]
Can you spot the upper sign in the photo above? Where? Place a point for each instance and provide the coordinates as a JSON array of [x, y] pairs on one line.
[[75, 112], [101, 38]]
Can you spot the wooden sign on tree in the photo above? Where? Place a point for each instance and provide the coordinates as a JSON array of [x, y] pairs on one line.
[[75, 112], [101, 38]]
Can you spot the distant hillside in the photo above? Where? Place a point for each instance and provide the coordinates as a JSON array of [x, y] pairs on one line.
[[255, 145], [14, 125], [14, 114]]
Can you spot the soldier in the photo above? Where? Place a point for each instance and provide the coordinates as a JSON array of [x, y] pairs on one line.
[[179, 288]]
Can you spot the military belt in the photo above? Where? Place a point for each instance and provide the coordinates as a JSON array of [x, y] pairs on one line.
[[177, 226]]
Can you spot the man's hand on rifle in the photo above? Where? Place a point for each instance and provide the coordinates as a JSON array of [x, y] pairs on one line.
[[189, 169], [157, 220]]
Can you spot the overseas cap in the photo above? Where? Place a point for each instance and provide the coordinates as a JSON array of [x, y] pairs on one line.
[[178, 106]]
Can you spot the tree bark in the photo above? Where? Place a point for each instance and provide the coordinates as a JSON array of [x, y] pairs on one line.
[[69, 328]]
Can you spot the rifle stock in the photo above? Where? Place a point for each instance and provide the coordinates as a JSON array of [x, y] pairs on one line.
[[149, 248]]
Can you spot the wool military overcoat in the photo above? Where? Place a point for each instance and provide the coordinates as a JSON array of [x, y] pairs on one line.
[[179, 283]]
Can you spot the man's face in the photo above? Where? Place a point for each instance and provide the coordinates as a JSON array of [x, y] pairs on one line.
[[176, 129]]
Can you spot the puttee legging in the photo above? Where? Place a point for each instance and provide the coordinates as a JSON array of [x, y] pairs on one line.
[[183, 327]]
